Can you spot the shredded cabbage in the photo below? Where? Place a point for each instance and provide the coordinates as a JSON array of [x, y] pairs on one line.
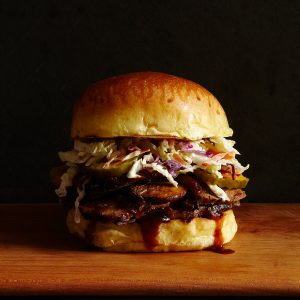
[[169, 157], [224, 145], [218, 192], [88, 153], [81, 194], [134, 154], [66, 180], [136, 167], [163, 171]]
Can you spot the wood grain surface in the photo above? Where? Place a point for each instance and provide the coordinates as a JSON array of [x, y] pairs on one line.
[[39, 257]]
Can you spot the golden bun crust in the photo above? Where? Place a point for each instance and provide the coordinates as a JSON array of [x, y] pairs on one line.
[[148, 104], [175, 235]]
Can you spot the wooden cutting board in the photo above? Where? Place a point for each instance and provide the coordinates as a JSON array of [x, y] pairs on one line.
[[39, 257]]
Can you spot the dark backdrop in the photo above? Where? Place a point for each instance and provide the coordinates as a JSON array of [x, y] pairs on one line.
[[245, 52]]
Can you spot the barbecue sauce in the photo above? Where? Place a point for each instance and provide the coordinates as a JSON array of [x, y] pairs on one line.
[[218, 246], [150, 229]]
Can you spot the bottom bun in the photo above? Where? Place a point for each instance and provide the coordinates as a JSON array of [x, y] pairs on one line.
[[175, 235]]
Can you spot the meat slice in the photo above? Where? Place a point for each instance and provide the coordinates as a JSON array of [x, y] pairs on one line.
[[106, 212], [235, 195], [203, 194], [97, 188], [160, 193], [205, 211], [122, 201], [119, 211], [198, 190]]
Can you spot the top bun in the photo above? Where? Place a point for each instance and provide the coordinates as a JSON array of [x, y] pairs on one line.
[[148, 104]]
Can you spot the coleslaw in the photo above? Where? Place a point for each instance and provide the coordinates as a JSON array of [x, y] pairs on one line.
[[168, 157]]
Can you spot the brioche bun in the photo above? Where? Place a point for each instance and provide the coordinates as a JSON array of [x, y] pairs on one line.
[[148, 104], [175, 235]]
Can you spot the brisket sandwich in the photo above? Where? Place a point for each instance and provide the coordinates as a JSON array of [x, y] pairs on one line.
[[151, 169]]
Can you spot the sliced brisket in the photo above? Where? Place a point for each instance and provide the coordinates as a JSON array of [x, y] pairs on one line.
[[159, 192], [121, 200]]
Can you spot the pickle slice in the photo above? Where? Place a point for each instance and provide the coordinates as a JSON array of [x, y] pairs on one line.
[[114, 169], [239, 182]]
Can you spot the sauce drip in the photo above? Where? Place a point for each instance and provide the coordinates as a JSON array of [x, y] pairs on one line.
[[218, 246], [218, 236], [150, 227]]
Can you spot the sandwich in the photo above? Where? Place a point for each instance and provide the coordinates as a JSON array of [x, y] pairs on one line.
[[153, 168]]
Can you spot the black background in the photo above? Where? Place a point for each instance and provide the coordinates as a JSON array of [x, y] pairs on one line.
[[245, 52]]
